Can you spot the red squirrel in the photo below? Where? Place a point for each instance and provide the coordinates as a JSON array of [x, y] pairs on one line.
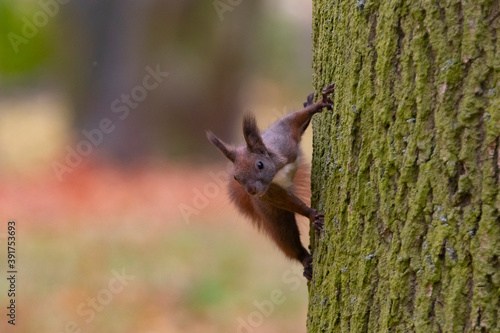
[[262, 186]]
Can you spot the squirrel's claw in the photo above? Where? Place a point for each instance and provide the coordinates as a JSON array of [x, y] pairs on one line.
[[330, 89], [326, 101], [308, 268], [308, 272], [319, 222], [317, 219], [328, 106], [309, 100]]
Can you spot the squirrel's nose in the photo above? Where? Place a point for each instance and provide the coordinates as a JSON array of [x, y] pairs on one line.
[[251, 190]]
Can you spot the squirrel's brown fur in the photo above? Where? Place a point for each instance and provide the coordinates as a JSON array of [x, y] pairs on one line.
[[268, 174]]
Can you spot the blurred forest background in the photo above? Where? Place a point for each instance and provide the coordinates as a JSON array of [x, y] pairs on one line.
[[105, 167]]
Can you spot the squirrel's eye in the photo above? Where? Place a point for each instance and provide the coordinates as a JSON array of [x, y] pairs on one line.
[[235, 178], [260, 165]]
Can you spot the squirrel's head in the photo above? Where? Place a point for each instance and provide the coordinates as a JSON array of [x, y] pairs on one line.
[[253, 166]]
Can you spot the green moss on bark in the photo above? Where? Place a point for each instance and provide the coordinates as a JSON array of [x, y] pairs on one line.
[[406, 167]]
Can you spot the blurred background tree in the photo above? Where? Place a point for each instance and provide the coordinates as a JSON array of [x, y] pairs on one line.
[[219, 64], [62, 66]]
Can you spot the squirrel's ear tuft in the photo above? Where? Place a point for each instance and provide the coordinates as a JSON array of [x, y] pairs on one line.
[[226, 149], [252, 135]]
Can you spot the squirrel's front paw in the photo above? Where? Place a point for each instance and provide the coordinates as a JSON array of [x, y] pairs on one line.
[[307, 263], [308, 272], [319, 222], [309, 100], [327, 101]]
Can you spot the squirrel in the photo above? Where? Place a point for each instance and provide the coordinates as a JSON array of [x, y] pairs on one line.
[[264, 170]]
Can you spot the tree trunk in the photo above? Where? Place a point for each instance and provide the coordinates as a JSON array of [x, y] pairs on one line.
[[406, 168]]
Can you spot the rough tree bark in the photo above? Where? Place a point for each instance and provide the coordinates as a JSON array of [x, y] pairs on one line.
[[406, 167]]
